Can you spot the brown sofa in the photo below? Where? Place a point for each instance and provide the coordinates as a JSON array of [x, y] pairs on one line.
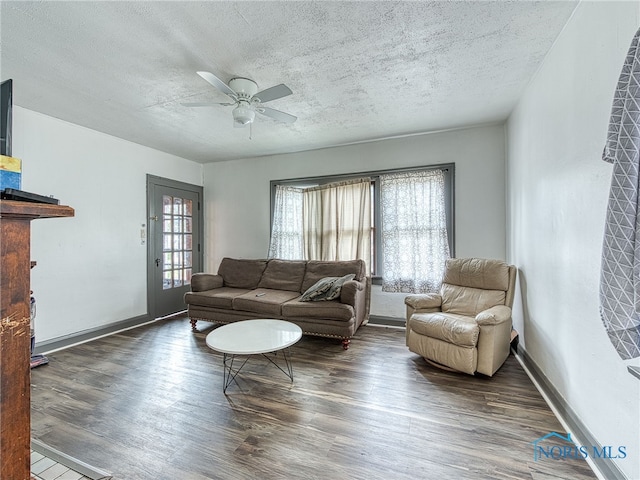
[[249, 289]]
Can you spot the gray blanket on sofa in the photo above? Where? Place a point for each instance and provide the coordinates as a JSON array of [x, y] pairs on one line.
[[620, 276]]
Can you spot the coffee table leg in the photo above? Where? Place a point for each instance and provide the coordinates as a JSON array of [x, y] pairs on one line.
[[287, 362], [228, 374]]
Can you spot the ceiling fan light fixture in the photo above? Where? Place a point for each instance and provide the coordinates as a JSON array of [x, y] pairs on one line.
[[243, 114], [247, 100]]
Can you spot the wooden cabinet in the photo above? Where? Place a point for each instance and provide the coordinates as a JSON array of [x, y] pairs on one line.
[[15, 373]]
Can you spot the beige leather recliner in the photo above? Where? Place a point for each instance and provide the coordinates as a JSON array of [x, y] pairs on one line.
[[467, 326]]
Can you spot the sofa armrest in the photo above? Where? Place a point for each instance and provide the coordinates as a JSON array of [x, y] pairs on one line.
[[201, 282], [349, 292], [358, 295], [494, 315], [424, 301]]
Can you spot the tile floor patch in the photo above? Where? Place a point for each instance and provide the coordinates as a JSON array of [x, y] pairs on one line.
[[53, 472], [44, 468], [41, 465]]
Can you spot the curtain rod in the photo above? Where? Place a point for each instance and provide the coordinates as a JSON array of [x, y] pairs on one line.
[[446, 167]]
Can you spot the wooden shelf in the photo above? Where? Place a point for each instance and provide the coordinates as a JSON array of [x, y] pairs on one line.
[[34, 210], [15, 337]]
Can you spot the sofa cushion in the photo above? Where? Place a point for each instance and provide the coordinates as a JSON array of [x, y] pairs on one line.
[[331, 310], [317, 269], [336, 287], [456, 329], [241, 273], [263, 301], [319, 290], [219, 297], [469, 301], [283, 275]]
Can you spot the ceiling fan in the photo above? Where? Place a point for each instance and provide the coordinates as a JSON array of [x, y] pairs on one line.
[[247, 99]]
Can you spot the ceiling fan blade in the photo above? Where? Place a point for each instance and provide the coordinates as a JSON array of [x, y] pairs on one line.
[[219, 84], [205, 104], [273, 93], [277, 115]]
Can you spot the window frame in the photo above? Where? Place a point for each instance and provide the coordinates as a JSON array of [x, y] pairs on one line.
[[376, 254]]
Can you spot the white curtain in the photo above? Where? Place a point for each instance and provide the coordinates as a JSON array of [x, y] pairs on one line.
[[286, 229], [337, 221], [414, 231]]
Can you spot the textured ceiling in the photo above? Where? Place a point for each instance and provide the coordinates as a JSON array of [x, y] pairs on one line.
[[358, 70]]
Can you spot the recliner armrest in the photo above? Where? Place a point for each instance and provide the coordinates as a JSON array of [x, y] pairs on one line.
[[201, 282], [423, 301], [494, 315]]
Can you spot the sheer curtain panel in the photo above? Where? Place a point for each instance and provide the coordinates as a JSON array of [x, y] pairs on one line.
[[414, 231], [337, 221], [286, 229]]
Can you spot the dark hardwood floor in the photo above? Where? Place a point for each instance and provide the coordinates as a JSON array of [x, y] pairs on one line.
[[148, 404]]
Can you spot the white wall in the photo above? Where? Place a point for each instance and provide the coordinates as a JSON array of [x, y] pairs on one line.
[[91, 268], [557, 195], [237, 200]]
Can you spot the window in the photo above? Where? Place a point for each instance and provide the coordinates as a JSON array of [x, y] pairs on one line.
[[377, 253], [326, 222], [286, 226], [414, 231]]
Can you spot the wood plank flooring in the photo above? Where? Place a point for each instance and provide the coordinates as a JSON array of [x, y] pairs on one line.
[[148, 404]]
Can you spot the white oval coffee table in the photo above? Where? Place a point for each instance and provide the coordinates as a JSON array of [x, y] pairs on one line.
[[253, 337]]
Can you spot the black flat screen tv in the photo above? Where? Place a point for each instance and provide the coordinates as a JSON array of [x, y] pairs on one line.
[[6, 105]]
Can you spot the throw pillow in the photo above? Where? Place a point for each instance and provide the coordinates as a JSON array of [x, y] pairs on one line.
[[318, 290], [334, 291]]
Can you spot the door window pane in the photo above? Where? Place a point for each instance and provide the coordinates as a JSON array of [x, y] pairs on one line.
[[188, 208], [166, 224], [167, 201], [177, 224], [166, 243], [177, 206], [177, 242], [166, 280], [177, 278], [187, 224]]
